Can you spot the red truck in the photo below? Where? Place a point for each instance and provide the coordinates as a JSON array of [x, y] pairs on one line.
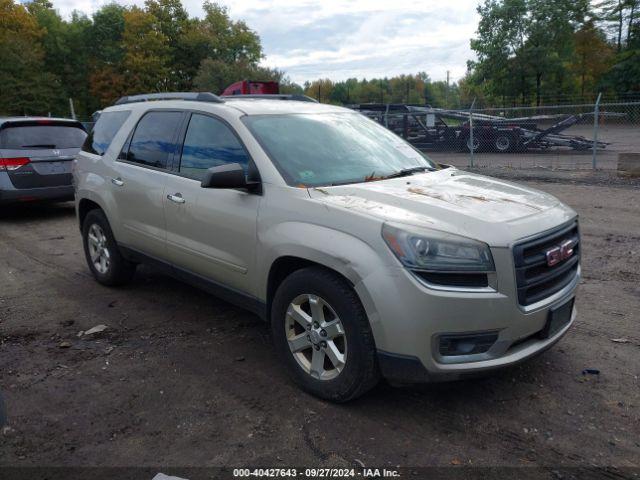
[[249, 87]]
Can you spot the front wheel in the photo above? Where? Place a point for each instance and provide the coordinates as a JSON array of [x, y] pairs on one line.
[[475, 145], [105, 261], [322, 334]]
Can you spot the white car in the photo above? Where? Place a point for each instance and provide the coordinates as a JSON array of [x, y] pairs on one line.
[[367, 258]]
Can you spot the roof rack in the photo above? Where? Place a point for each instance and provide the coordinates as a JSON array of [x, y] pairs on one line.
[[192, 96], [271, 96]]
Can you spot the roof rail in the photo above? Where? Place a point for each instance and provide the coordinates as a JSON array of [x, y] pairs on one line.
[[271, 96], [192, 96]]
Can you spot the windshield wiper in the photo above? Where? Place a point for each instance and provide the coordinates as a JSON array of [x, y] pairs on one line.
[[370, 178], [338, 184], [405, 172], [39, 145]]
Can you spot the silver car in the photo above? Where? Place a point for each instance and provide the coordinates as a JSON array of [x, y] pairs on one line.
[[367, 258], [35, 158]]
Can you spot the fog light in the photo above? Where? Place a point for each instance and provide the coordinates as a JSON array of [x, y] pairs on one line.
[[452, 345]]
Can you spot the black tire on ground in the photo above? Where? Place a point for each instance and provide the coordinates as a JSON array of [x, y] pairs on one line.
[[120, 271], [360, 372]]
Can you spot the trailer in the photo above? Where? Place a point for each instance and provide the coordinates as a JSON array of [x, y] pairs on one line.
[[252, 87], [430, 128]]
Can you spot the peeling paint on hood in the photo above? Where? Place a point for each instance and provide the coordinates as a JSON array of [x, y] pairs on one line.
[[451, 199]]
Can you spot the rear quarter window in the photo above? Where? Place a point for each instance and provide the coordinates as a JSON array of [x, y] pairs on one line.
[[17, 137], [104, 131]]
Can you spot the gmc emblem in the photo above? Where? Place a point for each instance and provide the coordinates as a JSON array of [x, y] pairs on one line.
[[560, 253]]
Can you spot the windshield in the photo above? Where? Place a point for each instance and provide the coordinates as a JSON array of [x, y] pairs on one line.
[[333, 148]]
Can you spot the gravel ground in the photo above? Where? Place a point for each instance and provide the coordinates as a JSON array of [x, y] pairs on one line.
[[181, 378]]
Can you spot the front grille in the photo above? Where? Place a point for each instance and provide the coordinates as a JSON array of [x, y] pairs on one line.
[[535, 279]]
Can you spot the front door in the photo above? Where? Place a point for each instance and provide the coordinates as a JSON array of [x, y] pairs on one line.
[[211, 232]]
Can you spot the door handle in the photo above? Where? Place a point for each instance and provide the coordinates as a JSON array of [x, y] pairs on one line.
[[176, 198], [117, 182]]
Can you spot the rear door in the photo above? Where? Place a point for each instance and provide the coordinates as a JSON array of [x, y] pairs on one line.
[[39, 153], [139, 178]]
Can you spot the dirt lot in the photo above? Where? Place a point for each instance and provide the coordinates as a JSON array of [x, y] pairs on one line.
[[181, 378]]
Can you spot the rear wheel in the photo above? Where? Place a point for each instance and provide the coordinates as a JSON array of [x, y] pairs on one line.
[[322, 334], [105, 261], [503, 143]]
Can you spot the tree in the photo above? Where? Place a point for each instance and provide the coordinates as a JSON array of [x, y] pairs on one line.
[[146, 52], [618, 16], [228, 40], [593, 57], [172, 21], [218, 38], [26, 87], [108, 84], [321, 90], [525, 45], [502, 32], [624, 76], [65, 49], [550, 39], [106, 32], [287, 86], [45, 59]]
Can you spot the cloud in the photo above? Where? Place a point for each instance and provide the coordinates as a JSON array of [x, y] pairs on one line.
[[349, 38]]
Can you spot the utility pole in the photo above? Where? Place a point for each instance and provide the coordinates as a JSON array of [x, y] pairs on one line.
[[446, 93], [71, 109], [471, 149], [596, 114]]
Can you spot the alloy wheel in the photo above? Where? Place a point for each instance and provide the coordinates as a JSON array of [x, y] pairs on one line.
[[98, 251], [316, 337]]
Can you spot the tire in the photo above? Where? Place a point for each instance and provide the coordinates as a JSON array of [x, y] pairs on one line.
[[335, 298], [503, 143], [476, 143], [111, 268]]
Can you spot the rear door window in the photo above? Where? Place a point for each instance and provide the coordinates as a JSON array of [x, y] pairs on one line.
[[154, 140], [30, 137], [209, 143], [103, 132]]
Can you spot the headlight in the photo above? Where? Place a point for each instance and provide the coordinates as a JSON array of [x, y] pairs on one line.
[[438, 251]]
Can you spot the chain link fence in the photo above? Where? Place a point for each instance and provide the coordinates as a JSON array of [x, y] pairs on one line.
[[554, 136]]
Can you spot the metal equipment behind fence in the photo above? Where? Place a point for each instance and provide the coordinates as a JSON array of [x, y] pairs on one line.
[[562, 136]]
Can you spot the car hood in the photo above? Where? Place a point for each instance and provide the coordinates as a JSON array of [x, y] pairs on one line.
[[451, 200]]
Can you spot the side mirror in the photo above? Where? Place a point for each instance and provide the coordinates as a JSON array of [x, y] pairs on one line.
[[230, 175]]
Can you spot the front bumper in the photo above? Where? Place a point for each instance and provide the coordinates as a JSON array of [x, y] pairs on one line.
[[408, 318], [406, 369]]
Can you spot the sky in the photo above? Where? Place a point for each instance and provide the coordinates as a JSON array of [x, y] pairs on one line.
[[349, 38]]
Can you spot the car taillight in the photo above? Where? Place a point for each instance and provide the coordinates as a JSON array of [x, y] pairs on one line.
[[13, 163]]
